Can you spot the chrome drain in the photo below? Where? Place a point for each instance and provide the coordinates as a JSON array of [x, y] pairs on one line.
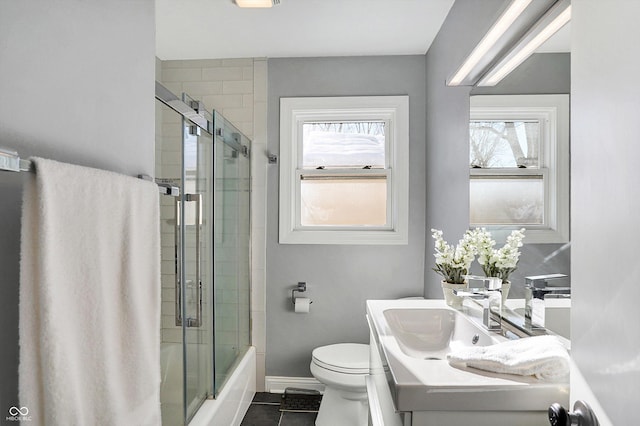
[[475, 338], [433, 358]]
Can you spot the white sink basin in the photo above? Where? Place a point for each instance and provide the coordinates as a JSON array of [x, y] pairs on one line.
[[430, 334], [413, 338]]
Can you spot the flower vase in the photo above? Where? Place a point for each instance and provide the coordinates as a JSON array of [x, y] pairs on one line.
[[450, 297]]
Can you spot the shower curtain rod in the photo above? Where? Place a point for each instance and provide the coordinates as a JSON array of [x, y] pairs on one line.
[[10, 161]]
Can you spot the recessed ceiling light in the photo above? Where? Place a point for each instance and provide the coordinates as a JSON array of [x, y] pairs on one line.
[[256, 3]]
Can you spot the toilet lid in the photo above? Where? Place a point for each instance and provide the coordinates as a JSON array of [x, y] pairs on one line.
[[350, 358]]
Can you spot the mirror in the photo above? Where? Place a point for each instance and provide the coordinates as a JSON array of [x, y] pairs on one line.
[[546, 72]]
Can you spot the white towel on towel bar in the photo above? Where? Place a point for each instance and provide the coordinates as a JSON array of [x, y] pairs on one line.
[[89, 298], [542, 356]]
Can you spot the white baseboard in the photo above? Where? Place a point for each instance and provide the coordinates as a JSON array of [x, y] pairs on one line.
[[277, 384]]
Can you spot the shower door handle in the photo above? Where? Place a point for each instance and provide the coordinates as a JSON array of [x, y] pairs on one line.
[[197, 320]]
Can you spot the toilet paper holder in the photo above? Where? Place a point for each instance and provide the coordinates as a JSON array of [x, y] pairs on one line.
[[302, 287]]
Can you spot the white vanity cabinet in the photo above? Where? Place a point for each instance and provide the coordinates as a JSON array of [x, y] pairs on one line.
[[382, 411], [412, 384]]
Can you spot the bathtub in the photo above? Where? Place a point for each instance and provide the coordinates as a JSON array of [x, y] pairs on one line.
[[232, 402]]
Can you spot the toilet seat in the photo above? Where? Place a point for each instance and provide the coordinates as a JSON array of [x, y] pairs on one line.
[[345, 358]]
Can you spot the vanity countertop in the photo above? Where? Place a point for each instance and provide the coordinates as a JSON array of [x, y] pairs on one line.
[[419, 384]]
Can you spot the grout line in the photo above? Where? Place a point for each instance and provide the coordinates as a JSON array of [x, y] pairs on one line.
[[280, 420]]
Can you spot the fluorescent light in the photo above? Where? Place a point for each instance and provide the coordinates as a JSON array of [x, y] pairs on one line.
[[256, 3], [518, 55], [503, 23]]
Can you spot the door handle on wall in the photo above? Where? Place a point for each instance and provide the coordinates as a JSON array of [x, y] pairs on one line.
[[582, 415]]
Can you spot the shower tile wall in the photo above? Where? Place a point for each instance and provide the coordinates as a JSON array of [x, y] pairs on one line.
[[237, 89]]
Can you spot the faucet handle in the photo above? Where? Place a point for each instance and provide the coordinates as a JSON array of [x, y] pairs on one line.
[[490, 283], [541, 281]]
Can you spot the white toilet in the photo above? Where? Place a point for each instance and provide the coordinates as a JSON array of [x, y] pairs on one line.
[[342, 368]]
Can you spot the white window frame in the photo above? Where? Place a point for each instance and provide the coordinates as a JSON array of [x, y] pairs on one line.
[[553, 113], [294, 112]]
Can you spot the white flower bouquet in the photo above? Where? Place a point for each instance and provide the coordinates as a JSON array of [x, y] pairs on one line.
[[453, 263], [497, 262]]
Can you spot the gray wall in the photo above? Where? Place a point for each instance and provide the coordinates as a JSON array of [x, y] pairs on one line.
[[605, 95], [447, 158], [77, 84], [340, 278]]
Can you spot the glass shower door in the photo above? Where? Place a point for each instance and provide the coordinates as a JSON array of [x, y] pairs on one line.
[[205, 253], [196, 210], [168, 171], [232, 248]]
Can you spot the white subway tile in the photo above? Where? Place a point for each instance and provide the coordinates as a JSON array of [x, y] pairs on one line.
[[219, 102], [168, 280], [192, 63], [168, 295], [258, 337], [258, 301], [168, 308], [181, 75], [260, 80], [237, 62], [247, 101], [244, 86], [169, 322], [198, 89], [222, 74], [247, 73], [166, 268], [260, 372], [172, 335]]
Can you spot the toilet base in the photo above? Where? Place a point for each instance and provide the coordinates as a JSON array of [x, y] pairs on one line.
[[343, 408]]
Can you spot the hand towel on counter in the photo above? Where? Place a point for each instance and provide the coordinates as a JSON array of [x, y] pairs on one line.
[[544, 357], [89, 297]]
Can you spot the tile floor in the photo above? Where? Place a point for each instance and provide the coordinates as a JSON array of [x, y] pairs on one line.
[[265, 411]]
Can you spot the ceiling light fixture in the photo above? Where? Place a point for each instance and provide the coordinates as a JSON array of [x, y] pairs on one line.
[[256, 3], [556, 18], [503, 23]]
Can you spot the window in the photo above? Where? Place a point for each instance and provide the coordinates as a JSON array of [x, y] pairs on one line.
[[344, 170], [519, 165]]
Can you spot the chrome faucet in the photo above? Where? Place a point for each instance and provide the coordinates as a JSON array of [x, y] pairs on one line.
[[490, 297], [537, 288]]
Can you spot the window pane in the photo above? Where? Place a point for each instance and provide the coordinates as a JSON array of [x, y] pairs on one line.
[[507, 200], [504, 144], [343, 144], [344, 201]]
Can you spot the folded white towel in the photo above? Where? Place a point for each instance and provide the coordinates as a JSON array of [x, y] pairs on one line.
[[544, 357], [89, 298]]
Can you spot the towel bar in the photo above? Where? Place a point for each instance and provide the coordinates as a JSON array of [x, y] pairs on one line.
[[10, 161]]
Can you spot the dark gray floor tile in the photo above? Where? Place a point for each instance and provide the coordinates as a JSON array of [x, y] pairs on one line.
[[298, 419], [262, 415], [266, 397]]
